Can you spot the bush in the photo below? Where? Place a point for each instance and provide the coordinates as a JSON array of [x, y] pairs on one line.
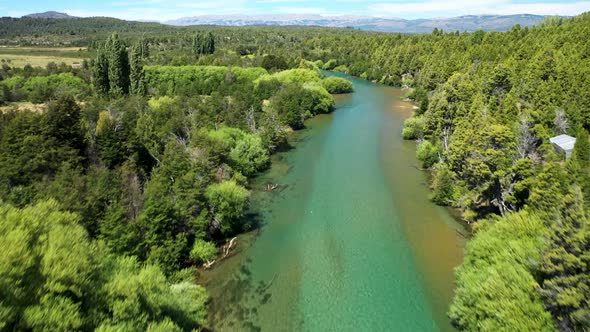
[[330, 64], [40, 89], [272, 62], [337, 85], [413, 128], [203, 251], [442, 185], [293, 76], [427, 153], [320, 99], [229, 201], [249, 155]]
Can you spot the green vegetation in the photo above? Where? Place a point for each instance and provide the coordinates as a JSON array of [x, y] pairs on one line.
[[337, 85], [145, 168], [496, 283], [54, 277], [153, 151]]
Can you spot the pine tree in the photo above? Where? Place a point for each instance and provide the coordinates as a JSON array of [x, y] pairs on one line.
[[118, 66], [565, 266]]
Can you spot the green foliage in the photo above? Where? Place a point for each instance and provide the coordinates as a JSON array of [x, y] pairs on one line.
[[110, 140], [204, 44], [337, 85], [203, 251], [442, 185], [118, 65], [55, 278], [248, 155], [427, 154], [100, 72], [228, 202], [274, 63], [136, 76], [413, 128], [191, 80], [44, 88], [565, 266], [582, 150], [487, 103], [294, 103], [496, 288], [299, 75]]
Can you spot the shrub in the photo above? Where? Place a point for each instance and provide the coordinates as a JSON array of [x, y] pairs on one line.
[[249, 155], [337, 85], [299, 75], [228, 201], [413, 128], [203, 251], [427, 153]]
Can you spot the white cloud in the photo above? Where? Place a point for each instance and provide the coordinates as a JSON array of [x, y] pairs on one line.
[[475, 7]]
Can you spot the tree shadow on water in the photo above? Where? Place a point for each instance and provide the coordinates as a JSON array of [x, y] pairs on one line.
[[236, 309]]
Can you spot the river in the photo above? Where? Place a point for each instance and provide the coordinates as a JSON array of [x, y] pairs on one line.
[[350, 242]]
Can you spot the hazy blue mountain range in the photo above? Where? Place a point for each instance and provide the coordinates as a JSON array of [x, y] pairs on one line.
[[460, 23]]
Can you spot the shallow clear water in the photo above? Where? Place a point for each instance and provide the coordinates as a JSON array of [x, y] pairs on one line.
[[350, 242]]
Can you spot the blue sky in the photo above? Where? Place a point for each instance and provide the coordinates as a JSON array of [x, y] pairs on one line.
[[161, 10]]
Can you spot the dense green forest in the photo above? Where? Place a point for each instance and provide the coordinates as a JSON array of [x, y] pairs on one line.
[[146, 151]]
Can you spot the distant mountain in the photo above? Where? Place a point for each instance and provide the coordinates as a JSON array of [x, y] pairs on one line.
[[50, 14], [461, 23]]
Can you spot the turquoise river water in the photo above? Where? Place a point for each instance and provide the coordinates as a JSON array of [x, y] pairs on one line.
[[350, 241]]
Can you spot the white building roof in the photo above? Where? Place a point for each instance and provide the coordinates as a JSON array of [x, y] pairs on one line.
[[564, 142]]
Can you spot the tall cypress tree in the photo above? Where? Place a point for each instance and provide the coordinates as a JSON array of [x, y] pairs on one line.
[[118, 65], [210, 44], [137, 75], [100, 72], [198, 44]]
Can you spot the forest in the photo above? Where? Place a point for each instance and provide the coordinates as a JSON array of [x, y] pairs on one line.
[[144, 154]]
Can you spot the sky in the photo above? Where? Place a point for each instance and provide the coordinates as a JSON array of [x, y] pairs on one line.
[[162, 10]]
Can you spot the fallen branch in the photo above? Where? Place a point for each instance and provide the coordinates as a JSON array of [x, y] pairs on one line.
[[271, 186], [270, 283], [209, 264], [227, 248]]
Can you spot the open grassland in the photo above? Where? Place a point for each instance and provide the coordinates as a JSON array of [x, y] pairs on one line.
[[23, 106], [40, 57]]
